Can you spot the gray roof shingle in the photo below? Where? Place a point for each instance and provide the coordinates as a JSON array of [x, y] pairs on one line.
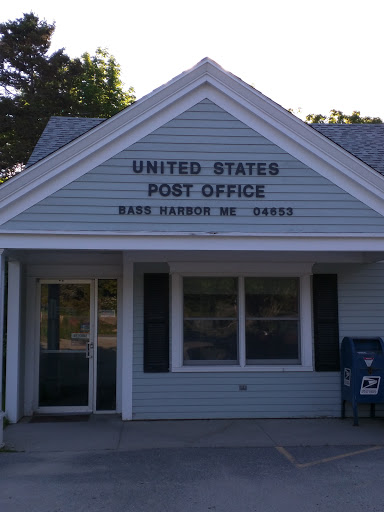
[[364, 141], [59, 132]]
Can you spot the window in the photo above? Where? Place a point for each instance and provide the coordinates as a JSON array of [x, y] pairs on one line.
[[246, 322]]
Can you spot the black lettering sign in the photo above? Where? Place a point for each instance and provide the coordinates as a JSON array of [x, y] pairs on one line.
[[152, 166], [207, 190], [229, 166], [228, 211], [166, 190], [138, 169], [273, 169], [134, 210], [233, 190], [261, 169], [218, 168], [240, 170], [183, 167], [250, 166], [260, 191], [185, 210], [195, 168]]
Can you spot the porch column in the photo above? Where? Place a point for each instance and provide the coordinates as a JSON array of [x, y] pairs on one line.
[[127, 339], [13, 385], [2, 294]]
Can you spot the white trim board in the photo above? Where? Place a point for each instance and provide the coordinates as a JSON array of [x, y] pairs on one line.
[[205, 80], [153, 242], [190, 268]]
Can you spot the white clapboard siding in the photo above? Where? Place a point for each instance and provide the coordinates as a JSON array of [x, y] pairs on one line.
[[268, 395], [217, 395], [205, 134]]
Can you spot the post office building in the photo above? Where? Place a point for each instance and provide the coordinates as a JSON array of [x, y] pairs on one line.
[[201, 254]]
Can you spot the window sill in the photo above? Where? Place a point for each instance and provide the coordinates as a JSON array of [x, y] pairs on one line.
[[241, 369]]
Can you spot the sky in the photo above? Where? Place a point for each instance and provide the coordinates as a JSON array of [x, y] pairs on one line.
[[311, 56]]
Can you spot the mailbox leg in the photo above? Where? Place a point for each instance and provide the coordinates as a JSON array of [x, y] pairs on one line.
[[355, 415], [373, 410], [343, 409]]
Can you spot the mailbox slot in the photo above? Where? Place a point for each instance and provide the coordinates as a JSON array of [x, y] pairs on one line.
[[369, 345]]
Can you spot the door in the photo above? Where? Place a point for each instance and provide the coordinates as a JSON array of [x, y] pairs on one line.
[[66, 346]]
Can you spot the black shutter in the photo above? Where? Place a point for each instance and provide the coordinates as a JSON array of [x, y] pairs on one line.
[[156, 322], [326, 323]]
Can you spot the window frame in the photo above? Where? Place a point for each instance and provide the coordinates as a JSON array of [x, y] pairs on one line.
[[302, 271]]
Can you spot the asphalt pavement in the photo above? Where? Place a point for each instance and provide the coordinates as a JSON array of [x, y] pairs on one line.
[[104, 464]]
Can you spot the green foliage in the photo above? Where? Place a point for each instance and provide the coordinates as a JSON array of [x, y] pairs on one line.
[[35, 85], [338, 117], [6, 422], [24, 44], [316, 118], [32, 86], [99, 90]]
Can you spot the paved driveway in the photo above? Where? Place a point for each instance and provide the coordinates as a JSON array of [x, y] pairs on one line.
[[193, 480], [210, 466]]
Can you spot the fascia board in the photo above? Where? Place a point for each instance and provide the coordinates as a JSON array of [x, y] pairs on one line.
[[153, 242]]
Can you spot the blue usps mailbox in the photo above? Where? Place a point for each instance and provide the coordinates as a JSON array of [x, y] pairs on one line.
[[362, 373]]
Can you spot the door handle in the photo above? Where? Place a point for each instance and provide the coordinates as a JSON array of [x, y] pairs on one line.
[[89, 349]]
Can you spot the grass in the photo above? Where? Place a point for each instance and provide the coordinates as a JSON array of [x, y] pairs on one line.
[[4, 449], [6, 422]]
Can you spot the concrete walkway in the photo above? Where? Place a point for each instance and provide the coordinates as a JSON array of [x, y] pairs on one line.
[[108, 432]]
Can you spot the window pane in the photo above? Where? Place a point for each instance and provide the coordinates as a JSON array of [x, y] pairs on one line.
[[213, 297], [272, 339], [270, 297], [210, 319], [210, 340], [272, 320], [106, 345], [64, 333]]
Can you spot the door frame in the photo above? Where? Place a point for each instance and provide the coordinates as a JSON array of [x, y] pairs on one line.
[[92, 375]]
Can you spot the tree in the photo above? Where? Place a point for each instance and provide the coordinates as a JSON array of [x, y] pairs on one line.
[[338, 117], [35, 85], [99, 90]]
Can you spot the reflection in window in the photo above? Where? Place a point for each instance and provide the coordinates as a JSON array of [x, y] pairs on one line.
[[64, 334], [272, 319], [210, 320], [268, 315], [106, 345]]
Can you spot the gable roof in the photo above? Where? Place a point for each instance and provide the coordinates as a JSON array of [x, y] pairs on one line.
[[364, 141], [206, 80]]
